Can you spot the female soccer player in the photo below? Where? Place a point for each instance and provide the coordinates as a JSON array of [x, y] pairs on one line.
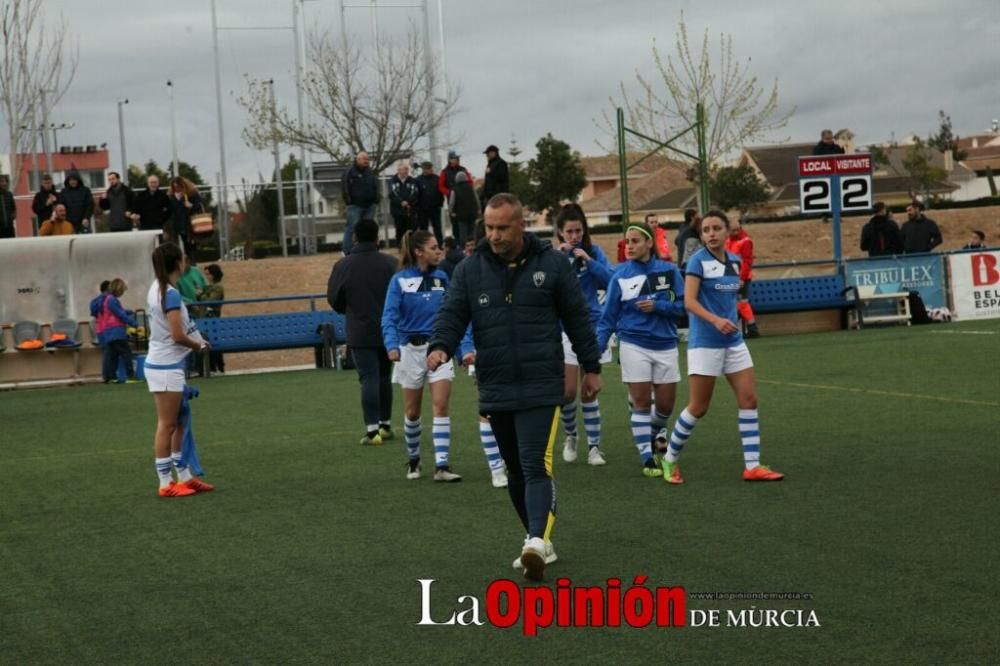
[[716, 347], [172, 336], [645, 297], [593, 272], [411, 306]]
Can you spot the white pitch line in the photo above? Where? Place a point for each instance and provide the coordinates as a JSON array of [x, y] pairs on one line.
[[894, 394], [964, 332]]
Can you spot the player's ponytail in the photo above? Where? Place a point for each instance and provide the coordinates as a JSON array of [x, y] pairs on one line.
[[166, 260], [412, 240]]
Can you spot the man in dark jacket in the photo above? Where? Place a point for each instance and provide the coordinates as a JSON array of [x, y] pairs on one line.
[[826, 145], [429, 211], [518, 294], [357, 288], [404, 198], [453, 255], [880, 235], [920, 233], [79, 202], [151, 208], [44, 200], [117, 200], [8, 210], [360, 189], [688, 232], [497, 175]]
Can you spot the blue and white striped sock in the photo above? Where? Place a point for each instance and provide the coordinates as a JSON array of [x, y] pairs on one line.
[[679, 437], [569, 419], [183, 473], [750, 437], [642, 435], [592, 422], [658, 419], [411, 434], [490, 447], [163, 468], [442, 440]]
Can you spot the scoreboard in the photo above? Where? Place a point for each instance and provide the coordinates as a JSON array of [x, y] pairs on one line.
[[835, 183]]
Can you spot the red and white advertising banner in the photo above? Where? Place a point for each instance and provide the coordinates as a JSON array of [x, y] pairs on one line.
[[975, 284]]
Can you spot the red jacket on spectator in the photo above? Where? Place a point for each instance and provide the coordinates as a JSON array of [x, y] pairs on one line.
[[446, 179], [662, 245], [742, 245]]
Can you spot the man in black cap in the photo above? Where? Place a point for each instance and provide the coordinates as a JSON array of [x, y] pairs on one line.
[[429, 206], [497, 174]]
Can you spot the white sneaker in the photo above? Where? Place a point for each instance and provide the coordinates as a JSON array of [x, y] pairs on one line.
[[500, 479], [595, 457], [569, 449], [533, 559], [550, 554], [445, 474], [413, 470]]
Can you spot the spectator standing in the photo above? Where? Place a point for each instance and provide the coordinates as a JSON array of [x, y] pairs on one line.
[[184, 202], [826, 145], [452, 255], [191, 283], [8, 209], [214, 291], [880, 235], [79, 201], [977, 242], [44, 200], [660, 234], [117, 200], [112, 320], [688, 239], [58, 225], [518, 294], [497, 174], [359, 188], [151, 209], [463, 205], [920, 233], [431, 200], [357, 287], [446, 180], [738, 242], [404, 199]]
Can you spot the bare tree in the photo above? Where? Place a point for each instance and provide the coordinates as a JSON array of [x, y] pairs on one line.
[[737, 110], [362, 99], [34, 57]]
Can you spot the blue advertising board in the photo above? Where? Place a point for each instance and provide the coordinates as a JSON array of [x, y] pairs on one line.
[[921, 273]]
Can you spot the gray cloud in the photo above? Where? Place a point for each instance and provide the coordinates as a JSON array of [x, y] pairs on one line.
[[527, 68]]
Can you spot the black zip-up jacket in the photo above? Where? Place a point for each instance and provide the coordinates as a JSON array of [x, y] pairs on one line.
[[359, 187], [79, 201], [497, 178], [880, 237], [403, 190], [154, 209], [40, 205], [431, 199], [357, 287], [920, 235], [518, 311]]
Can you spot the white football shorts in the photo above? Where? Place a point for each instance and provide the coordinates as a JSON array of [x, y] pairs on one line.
[[648, 365]]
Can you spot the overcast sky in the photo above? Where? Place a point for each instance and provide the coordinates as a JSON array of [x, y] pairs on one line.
[[527, 67]]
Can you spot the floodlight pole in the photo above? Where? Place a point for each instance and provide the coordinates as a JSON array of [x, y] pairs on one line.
[[121, 137], [224, 185], [277, 174]]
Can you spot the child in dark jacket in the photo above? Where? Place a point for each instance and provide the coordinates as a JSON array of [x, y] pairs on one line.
[[112, 323]]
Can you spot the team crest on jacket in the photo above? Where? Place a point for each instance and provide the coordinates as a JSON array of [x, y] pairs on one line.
[[539, 278], [484, 300]]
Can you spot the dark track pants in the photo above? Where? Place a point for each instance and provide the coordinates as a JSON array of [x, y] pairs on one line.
[[375, 374], [526, 438]]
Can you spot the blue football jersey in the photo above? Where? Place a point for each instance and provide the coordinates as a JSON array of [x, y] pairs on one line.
[[718, 293]]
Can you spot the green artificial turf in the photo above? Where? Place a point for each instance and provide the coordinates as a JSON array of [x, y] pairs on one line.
[[310, 550]]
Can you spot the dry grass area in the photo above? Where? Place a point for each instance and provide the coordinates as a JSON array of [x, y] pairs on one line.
[[787, 241]]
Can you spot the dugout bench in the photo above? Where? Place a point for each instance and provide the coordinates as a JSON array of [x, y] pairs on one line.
[[319, 329], [818, 294]]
